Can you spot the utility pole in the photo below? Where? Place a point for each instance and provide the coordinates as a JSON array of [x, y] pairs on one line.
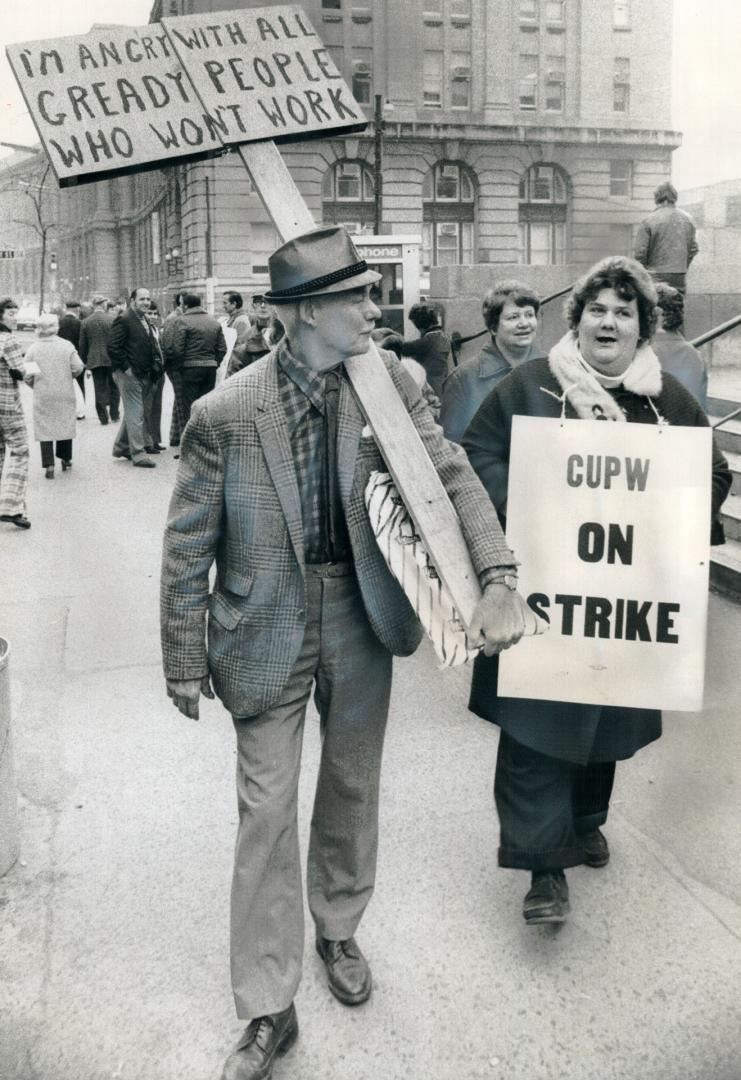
[[378, 162]]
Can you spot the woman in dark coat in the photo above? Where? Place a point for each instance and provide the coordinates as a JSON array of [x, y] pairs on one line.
[[432, 348], [556, 761]]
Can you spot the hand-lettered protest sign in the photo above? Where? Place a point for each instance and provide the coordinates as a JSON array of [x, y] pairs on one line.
[[106, 102], [611, 523], [121, 99], [263, 74]]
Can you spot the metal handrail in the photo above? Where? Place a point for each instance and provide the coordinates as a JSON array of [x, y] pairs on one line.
[[457, 341], [721, 328], [725, 419], [711, 335]]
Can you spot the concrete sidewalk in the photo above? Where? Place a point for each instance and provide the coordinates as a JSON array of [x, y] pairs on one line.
[[114, 924]]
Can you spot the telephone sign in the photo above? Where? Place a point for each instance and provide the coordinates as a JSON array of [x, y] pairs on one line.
[[396, 259]]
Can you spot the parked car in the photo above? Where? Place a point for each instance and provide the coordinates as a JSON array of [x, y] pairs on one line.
[[28, 317]]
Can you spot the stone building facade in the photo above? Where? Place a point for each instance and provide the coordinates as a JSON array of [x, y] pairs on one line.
[[515, 131]]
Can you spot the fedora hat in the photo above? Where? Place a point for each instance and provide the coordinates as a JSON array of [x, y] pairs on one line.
[[324, 260]]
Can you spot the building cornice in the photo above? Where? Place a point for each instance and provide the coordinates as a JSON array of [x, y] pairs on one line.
[[575, 135]]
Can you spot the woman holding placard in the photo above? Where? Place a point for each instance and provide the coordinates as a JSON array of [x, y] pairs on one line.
[[556, 760]]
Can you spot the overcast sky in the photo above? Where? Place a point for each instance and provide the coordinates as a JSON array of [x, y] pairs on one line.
[[706, 91]]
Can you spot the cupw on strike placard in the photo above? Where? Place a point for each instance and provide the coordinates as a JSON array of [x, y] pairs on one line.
[[611, 524]]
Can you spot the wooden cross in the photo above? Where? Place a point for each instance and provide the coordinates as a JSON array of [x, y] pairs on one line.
[[401, 447]]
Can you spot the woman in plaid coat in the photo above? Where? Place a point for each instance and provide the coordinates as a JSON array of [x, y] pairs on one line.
[[13, 435]]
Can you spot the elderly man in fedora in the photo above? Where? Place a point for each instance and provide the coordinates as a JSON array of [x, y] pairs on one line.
[[274, 464]]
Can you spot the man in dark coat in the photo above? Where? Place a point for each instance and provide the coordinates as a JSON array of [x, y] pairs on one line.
[[195, 345], [93, 350], [665, 242], [274, 466], [135, 360], [70, 325]]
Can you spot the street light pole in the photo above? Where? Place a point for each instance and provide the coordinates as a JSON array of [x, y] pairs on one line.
[[378, 162]]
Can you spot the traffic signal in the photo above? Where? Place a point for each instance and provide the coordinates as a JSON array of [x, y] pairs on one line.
[[52, 260]]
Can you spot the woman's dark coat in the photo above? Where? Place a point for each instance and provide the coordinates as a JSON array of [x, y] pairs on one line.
[[574, 732]]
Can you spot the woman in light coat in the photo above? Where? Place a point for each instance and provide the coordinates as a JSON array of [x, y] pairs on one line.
[[51, 365]]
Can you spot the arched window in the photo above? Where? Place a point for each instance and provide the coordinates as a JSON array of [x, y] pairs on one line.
[[543, 215], [448, 213], [348, 196]]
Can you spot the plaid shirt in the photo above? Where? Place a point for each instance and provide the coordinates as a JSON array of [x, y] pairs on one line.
[[11, 356], [302, 394]]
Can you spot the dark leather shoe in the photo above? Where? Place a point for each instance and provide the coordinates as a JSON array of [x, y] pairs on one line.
[[144, 463], [548, 898], [19, 520], [122, 454], [594, 846], [264, 1039], [152, 449], [349, 975]]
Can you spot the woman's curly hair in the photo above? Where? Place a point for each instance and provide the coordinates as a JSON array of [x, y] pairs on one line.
[[494, 300], [628, 279]]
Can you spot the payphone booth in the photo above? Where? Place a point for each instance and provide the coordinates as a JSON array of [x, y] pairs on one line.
[[396, 258]]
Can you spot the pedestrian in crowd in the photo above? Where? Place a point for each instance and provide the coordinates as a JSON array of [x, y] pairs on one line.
[[236, 319], [173, 370], [556, 760], [432, 348], [153, 418], [675, 353], [275, 332], [256, 344], [93, 351], [196, 344], [52, 364], [386, 338], [270, 486], [665, 242], [510, 310], [135, 362], [70, 326], [13, 434]]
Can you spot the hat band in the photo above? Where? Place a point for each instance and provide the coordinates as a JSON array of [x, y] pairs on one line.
[[321, 282]]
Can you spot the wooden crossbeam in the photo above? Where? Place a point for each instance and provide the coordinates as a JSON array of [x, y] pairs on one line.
[[407, 461]]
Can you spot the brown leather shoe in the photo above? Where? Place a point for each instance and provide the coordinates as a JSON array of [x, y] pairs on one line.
[[548, 898], [595, 848], [264, 1039], [349, 975]]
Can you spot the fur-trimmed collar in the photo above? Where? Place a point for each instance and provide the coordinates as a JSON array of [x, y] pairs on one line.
[[583, 388]]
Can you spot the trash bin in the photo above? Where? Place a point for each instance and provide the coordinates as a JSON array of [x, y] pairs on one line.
[[8, 791]]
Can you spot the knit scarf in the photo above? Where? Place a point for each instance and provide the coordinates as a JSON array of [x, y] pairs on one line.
[[586, 389]]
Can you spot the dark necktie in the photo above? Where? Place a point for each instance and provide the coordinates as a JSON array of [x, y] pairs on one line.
[[334, 509]]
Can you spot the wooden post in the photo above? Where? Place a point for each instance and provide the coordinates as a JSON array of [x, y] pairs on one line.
[[406, 459]]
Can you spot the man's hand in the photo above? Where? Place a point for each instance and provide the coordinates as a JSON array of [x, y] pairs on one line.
[[499, 619], [186, 692]]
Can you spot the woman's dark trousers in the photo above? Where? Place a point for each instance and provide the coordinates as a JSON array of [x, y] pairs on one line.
[[64, 451], [544, 804]]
